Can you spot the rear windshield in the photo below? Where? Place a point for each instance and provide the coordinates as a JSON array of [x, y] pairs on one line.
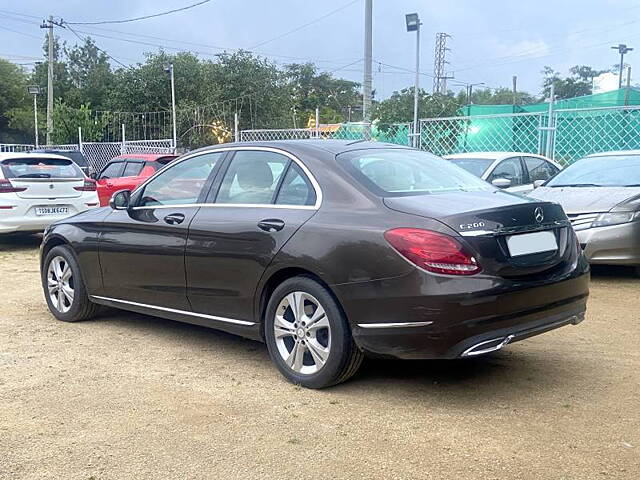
[[402, 172], [477, 166], [75, 155], [40, 168], [605, 171]]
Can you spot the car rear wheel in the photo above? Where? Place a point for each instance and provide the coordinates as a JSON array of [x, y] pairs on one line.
[[308, 335], [64, 288]]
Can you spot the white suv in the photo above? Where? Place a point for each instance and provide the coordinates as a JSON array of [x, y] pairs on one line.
[[37, 189]]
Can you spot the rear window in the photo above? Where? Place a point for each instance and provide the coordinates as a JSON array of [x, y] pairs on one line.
[[400, 172], [40, 168]]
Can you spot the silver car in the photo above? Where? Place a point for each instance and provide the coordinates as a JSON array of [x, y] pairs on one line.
[[514, 171], [601, 196]]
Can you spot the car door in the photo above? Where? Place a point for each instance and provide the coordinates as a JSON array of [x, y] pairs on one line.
[[511, 168], [259, 202], [539, 169], [141, 249], [130, 176], [105, 179]]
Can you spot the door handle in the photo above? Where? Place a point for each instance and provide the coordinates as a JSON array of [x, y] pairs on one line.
[[271, 225], [174, 218]]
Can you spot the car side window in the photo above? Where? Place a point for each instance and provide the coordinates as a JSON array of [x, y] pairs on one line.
[[252, 177], [132, 169], [296, 189], [182, 183], [539, 169], [511, 169], [113, 170]]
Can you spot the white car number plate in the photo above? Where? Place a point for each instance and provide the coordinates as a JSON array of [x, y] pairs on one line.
[[52, 210], [528, 243]]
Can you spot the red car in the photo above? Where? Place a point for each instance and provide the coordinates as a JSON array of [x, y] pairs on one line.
[[126, 172]]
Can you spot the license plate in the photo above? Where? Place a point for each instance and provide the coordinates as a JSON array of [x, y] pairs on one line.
[[52, 210], [529, 243]]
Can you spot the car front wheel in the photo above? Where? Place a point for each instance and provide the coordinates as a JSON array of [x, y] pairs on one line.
[[308, 336], [64, 288]]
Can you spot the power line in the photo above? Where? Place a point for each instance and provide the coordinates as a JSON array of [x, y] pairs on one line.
[[19, 32], [145, 17], [82, 39], [305, 25]]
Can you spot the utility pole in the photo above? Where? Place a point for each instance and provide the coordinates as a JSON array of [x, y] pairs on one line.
[[35, 90], [413, 25], [515, 89], [169, 70], [48, 24], [626, 91], [622, 50], [440, 77], [470, 90], [368, 47]]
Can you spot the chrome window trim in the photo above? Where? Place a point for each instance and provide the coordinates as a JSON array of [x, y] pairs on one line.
[[394, 325], [292, 157], [174, 310]]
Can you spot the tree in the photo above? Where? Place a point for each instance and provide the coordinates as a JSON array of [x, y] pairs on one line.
[[14, 104], [496, 96], [399, 107], [89, 73], [578, 83]]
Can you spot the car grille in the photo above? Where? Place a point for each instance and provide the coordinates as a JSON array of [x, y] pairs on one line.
[[582, 220]]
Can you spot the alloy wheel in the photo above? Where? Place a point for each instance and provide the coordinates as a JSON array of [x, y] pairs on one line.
[[302, 332], [60, 284]]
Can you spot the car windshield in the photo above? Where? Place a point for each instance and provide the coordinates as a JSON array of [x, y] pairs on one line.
[[477, 166], [399, 172], [40, 168], [605, 171]]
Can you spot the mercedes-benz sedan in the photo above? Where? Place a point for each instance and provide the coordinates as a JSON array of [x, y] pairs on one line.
[[601, 195], [326, 251]]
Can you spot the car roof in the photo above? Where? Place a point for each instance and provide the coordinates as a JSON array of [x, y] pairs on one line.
[[615, 152], [333, 147], [53, 150], [18, 155], [147, 157], [490, 155]]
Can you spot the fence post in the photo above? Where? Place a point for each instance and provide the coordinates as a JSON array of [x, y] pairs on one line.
[[80, 139], [235, 127], [317, 122], [550, 123], [123, 149]]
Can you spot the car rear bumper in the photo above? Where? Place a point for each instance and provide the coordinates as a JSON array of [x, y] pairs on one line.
[[22, 218], [423, 324], [614, 245]]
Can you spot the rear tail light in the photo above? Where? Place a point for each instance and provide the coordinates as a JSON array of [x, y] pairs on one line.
[[435, 252], [7, 187], [88, 186]]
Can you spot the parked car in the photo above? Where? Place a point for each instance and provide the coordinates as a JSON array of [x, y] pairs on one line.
[[326, 250], [513, 171], [601, 195], [37, 189], [76, 156], [127, 172]]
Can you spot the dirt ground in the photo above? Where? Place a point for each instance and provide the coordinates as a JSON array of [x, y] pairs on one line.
[[130, 396]]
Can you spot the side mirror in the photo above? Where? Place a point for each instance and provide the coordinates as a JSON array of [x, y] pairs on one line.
[[538, 183], [501, 182], [120, 200]]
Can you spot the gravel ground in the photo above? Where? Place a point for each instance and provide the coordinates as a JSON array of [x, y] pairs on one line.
[[130, 396]]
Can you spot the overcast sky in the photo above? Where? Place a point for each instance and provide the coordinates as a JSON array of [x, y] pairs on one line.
[[491, 40]]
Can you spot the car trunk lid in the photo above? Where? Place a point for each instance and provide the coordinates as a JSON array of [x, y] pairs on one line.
[[489, 222], [43, 177]]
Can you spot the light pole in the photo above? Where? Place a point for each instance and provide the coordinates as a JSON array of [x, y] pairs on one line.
[[35, 90], [169, 70], [413, 25], [470, 90], [622, 49]]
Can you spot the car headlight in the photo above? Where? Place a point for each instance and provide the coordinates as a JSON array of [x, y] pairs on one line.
[[614, 218]]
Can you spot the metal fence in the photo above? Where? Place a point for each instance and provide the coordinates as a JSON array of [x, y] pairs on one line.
[[99, 153]]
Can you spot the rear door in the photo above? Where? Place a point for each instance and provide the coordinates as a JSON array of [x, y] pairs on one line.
[[142, 248], [254, 208], [106, 178]]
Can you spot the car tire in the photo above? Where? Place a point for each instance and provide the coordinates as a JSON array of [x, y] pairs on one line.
[[308, 336], [64, 288]]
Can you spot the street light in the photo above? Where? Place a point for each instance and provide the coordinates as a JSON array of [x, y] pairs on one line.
[[413, 25], [169, 69], [622, 49], [35, 90]]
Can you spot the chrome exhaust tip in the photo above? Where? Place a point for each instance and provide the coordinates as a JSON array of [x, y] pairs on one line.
[[487, 346]]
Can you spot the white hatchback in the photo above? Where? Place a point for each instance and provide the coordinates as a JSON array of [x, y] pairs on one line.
[[37, 189]]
